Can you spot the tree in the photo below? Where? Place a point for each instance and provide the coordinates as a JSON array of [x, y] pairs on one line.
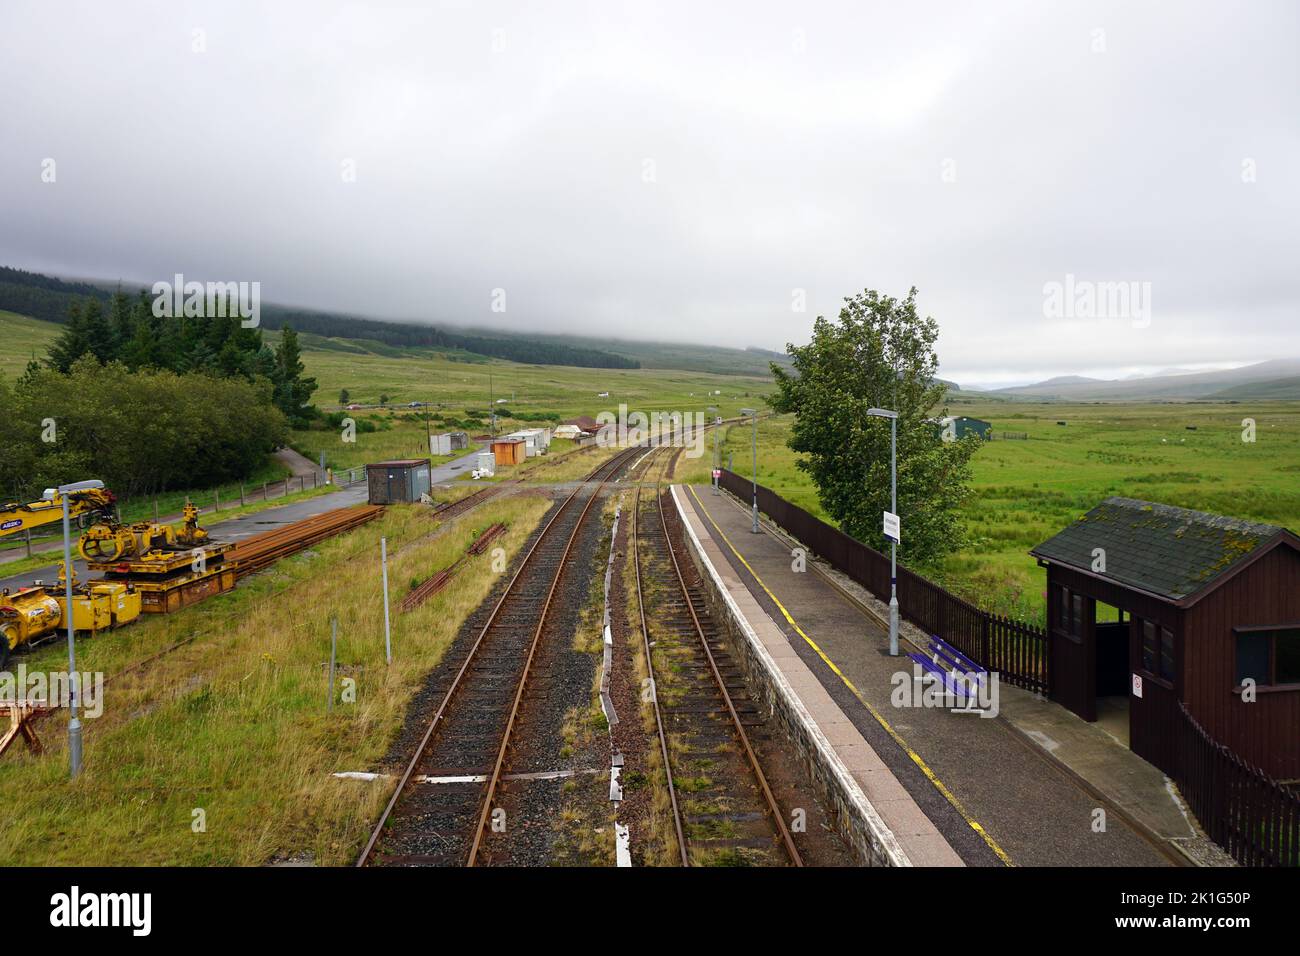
[[292, 390], [87, 333], [72, 343], [880, 353], [343, 396]]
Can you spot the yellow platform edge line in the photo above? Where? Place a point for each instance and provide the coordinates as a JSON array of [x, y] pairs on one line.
[[898, 739]]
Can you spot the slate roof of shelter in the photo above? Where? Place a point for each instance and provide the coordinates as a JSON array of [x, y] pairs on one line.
[[1169, 552]]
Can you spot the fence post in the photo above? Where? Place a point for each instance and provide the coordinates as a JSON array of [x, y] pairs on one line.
[[241, 494], [984, 641], [216, 500]]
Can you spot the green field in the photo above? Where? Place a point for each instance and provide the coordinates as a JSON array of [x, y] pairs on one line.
[[422, 375], [1026, 491], [21, 340]]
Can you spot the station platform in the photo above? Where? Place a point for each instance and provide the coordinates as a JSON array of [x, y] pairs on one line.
[[1033, 786]]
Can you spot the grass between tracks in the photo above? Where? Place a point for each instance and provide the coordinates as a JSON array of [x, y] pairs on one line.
[[234, 724], [660, 842], [585, 823]]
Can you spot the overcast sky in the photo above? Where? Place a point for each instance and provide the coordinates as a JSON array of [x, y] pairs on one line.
[[680, 171]]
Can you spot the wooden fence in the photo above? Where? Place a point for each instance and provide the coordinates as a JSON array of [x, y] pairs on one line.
[[1017, 651], [1254, 818]]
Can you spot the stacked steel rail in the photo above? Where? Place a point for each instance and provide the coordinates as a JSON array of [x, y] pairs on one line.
[[259, 551], [714, 694], [466, 741]]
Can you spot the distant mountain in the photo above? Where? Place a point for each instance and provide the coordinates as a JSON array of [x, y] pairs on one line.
[[1061, 380], [49, 298], [1246, 382], [1277, 389]]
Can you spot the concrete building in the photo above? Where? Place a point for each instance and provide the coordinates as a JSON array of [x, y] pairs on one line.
[[448, 442]]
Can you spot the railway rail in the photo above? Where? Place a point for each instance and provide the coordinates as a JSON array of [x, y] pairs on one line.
[[261, 550], [707, 709], [460, 761], [451, 509]]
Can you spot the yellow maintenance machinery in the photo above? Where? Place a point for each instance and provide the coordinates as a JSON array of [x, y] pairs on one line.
[[147, 567]]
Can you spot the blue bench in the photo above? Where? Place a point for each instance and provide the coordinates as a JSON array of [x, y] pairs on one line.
[[944, 653], [951, 666], [945, 677]]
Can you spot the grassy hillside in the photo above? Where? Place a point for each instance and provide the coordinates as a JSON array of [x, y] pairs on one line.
[[369, 371], [21, 340]]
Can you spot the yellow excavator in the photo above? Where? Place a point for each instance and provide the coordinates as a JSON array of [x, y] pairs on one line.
[[28, 614]]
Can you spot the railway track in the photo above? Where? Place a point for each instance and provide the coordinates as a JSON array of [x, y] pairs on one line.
[[728, 811], [451, 509], [442, 806]]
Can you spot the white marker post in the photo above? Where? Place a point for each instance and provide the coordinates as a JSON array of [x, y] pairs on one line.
[[383, 561]]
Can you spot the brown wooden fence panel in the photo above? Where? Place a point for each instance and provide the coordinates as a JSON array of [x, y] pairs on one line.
[[1254, 818], [1016, 650]]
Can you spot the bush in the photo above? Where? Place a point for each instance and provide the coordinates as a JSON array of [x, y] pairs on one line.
[[139, 432]]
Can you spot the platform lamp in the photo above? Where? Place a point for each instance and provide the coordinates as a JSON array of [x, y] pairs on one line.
[[893, 507], [716, 414], [74, 724], [753, 413]]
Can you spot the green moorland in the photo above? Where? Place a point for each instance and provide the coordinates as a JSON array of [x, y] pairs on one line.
[[1027, 490], [464, 393], [1024, 491], [21, 340]]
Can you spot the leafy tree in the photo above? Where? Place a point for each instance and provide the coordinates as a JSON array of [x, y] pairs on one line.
[[343, 396], [880, 353], [139, 432]]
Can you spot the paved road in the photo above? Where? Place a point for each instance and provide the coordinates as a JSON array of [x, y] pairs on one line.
[[451, 470]]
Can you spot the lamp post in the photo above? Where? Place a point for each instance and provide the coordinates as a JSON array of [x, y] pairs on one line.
[[74, 723], [717, 459], [893, 508], [753, 413]]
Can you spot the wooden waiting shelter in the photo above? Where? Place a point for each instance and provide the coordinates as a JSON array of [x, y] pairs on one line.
[[1194, 605]]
